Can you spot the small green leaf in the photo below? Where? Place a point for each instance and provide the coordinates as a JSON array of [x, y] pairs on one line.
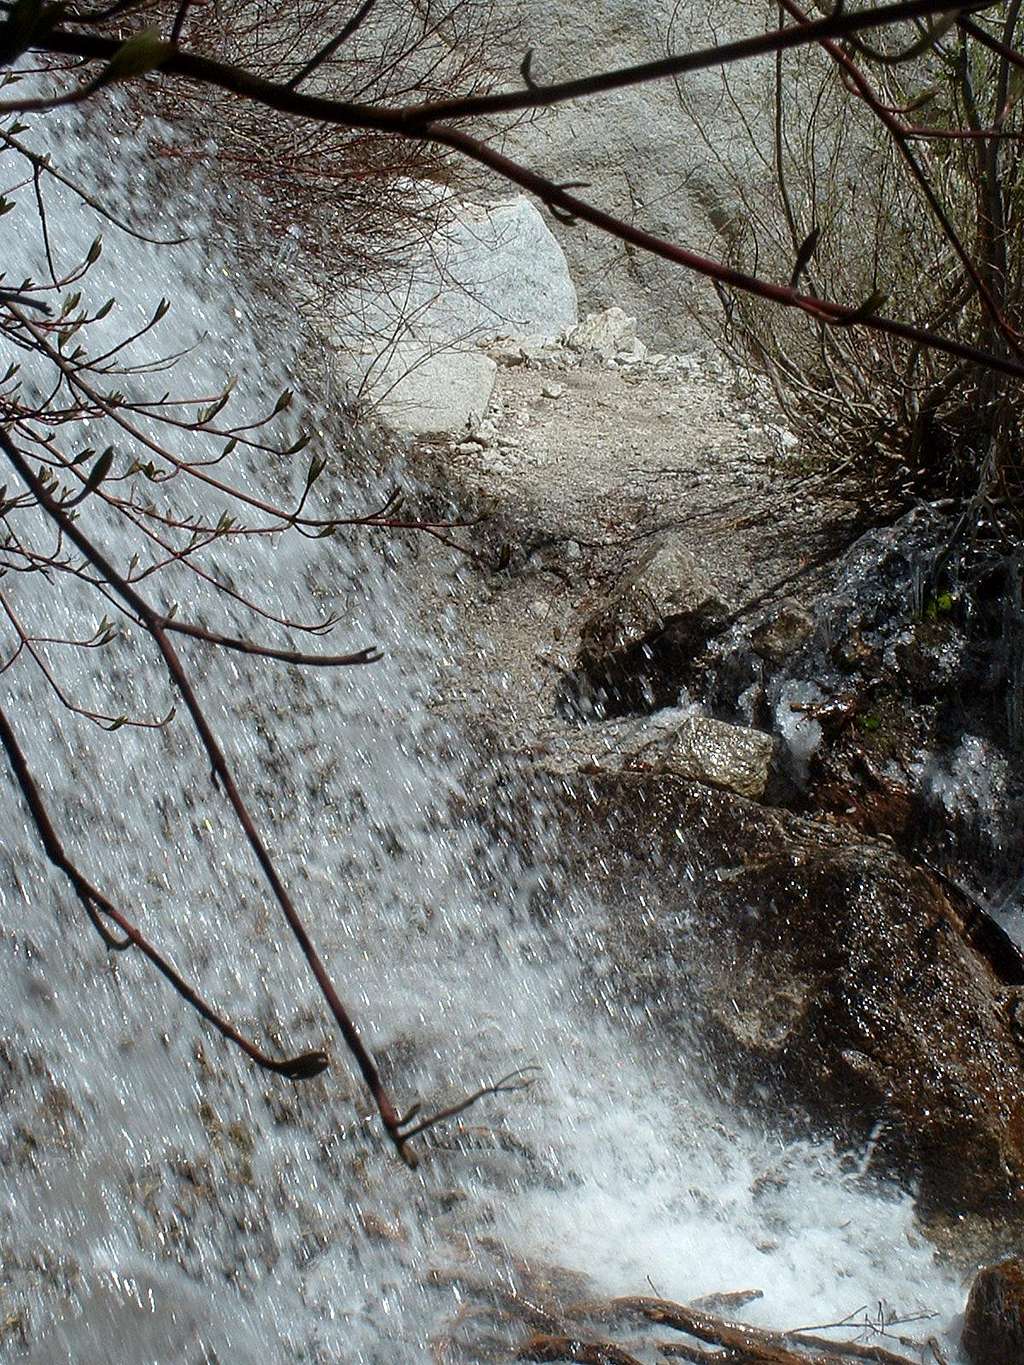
[[284, 402], [317, 465], [868, 308], [144, 51], [102, 313], [94, 252], [208, 414]]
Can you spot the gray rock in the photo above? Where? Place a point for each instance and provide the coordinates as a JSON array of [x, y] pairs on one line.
[[782, 632], [607, 334], [421, 390], [630, 148], [674, 742], [666, 588], [489, 270]]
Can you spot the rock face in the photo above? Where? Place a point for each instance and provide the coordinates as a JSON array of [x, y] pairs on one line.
[[994, 1320], [423, 390], [833, 981], [672, 742], [635, 150], [490, 269]]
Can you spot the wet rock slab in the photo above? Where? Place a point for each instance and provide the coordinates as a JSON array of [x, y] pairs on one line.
[[673, 742], [836, 985]]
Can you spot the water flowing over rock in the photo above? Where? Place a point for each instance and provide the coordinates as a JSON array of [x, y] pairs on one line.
[[716, 993], [825, 970]]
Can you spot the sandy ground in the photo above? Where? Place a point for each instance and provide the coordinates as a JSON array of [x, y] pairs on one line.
[[578, 470]]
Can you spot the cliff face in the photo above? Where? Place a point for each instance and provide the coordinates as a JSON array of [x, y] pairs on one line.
[[668, 157]]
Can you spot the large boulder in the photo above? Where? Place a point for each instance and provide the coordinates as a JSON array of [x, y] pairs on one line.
[[837, 985], [637, 153], [423, 390], [488, 270]]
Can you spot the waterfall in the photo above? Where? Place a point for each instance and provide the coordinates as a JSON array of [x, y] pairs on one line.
[[165, 1201]]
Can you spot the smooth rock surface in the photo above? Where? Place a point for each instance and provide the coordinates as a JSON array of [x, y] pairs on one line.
[[637, 151], [423, 390], [491, 269]]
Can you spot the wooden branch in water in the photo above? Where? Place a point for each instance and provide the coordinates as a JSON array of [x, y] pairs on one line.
[[544, 1347]]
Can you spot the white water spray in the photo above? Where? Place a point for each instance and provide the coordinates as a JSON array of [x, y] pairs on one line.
[[162, 1200]]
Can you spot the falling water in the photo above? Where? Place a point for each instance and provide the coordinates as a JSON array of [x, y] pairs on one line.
[[164, 1201]]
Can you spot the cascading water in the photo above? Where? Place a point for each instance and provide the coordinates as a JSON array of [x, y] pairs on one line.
[[164, 1201]]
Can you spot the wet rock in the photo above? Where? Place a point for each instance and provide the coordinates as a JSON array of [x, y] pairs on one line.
[[782, 632], [674, 742], [994, 1320], [841, 988]]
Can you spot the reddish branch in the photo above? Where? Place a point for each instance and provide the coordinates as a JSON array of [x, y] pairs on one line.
[[900, 134], [97, 905], [425, 122], [400, 1128]]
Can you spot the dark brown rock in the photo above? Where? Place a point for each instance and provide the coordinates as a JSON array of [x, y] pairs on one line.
[[994, 1320], [836, 984]]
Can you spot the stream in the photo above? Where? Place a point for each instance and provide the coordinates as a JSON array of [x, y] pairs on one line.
[[164, 1201]]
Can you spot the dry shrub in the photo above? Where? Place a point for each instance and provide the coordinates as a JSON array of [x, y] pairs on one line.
[[348, 207], [906, 421]]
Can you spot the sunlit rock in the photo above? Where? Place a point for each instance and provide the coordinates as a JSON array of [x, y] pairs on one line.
[[611, 335], [673, 742], [422, 390]]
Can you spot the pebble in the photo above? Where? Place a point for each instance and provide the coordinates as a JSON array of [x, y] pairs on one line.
[[553, 390]]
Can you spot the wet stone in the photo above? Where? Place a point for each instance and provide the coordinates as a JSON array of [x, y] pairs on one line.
[[994, 1320]]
